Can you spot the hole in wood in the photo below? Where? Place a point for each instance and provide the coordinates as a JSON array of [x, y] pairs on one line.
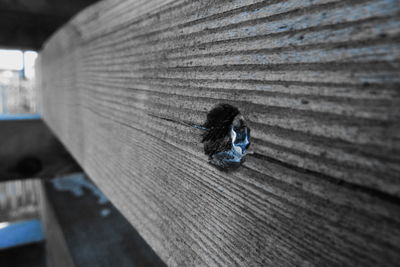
[[226, 138]]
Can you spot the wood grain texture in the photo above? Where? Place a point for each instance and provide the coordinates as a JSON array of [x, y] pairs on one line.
[[318, 82]]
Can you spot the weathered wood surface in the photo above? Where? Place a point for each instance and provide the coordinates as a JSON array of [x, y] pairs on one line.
[[29, 149], [317, 80]]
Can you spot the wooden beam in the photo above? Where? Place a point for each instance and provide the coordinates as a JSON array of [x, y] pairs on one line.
[[29, 149], [318, 83]]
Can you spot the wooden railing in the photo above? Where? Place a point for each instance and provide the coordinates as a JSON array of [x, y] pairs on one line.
[[317, 82]]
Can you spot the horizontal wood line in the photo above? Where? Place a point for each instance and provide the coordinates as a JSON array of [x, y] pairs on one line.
[[155, 137], [189, 81], [284, 107], [354, 187], [203, 19], [113, 12], [352, 166], [231, 12], [119, 45], [327, 191], [251, 64], [124, 58], [180, 37], [257, 173], [245, 23], [251, 106], [147, 80], [383, 156], [370, 66], [276, 109], [121, 28], [148, 133], [186, 87], [293, 13], [125, 26], [364, 151], [292, 130], [271, 78], [274, 127], [163, 205], [137, 19], [332, 167]]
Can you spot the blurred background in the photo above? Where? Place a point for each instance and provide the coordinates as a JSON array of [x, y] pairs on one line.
[[17, 74]]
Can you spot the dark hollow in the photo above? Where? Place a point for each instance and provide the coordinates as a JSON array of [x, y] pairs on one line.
[[217, 138], [29, 166], [218, 123]]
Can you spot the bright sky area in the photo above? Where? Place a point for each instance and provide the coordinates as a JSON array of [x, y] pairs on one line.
[[14, 60]]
